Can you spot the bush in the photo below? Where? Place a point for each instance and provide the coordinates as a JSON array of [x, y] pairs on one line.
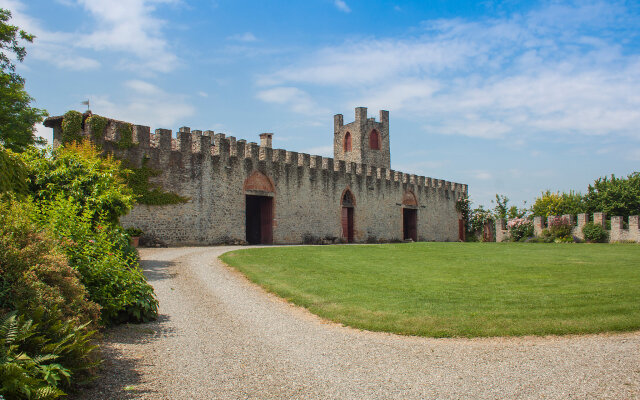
[[520, 229], [560, 228], [79, 173], [108, 266], [47, 302], [594, 233], [34, 274]]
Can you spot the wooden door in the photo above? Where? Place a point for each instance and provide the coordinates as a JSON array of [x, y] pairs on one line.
[[347, 224], [266, 220]]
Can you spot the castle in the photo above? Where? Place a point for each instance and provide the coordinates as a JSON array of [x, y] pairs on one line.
[[244, 192]]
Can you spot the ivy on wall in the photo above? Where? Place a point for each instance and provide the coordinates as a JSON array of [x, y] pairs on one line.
[[138, 178], [126, 136], [71, 127], [147, 192], [98, 124]]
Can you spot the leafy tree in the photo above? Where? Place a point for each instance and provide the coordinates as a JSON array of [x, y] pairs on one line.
[[17, 117], [549, 204], [615, 196], [501, 208]]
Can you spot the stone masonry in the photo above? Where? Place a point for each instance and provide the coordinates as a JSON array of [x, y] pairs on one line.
[[219, 174], [617, 233]]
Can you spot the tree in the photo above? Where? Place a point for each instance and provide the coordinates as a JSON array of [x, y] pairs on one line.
[[615, 196], [17, 117], [549, 204]]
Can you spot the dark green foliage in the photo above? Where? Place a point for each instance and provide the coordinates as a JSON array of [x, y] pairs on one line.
[[13, 173], [594, 233], [615, 196], [147, 192], [27, 375], [17, 117], [126, 136], [97, 124], [72, 127], [556, 204], [134, 231], [79, 173]]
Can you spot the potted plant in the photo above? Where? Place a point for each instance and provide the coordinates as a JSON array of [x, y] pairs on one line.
[[134, 235]]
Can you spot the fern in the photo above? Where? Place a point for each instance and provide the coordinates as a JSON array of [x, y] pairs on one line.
[[25, 376]]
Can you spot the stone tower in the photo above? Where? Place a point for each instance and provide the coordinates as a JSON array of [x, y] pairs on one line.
[[363, 141]]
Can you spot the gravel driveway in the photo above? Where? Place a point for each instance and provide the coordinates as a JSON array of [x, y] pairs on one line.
[[221, 337]]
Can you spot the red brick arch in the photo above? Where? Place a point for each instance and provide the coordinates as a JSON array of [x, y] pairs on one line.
[[346, 145], [352, 199], [260, 182], [374, 140], [409, 199]]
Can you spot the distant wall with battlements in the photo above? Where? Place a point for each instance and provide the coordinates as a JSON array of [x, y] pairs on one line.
[[217, 173], [616, 233]]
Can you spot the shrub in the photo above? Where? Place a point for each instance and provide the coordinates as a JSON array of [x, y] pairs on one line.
[[520, 229], [594, 233], [13, 174], [560, 228], [108, 266], [34, 274], [134, 232], [79, 173], [25, 375]]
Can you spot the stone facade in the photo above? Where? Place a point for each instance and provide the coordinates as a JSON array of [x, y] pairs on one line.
[[617, 233], [299, 196]]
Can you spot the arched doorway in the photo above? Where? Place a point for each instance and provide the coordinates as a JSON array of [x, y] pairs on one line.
[[259, 192], [409, 216], [348, 203]]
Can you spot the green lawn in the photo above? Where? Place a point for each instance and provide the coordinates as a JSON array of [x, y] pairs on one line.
[[457, 289]]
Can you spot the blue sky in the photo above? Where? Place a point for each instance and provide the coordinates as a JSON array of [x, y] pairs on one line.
[[509, 97]]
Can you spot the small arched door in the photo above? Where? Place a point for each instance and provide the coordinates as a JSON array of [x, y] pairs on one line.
[[348, 205]]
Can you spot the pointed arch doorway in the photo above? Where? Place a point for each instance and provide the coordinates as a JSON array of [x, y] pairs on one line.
[[348, 204], [259, 205]]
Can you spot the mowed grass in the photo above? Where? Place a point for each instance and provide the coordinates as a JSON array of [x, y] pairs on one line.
[[457, 289]]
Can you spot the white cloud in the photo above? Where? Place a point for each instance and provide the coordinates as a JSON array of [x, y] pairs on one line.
[[342, 6], [203, 94], [44, 132], [543, 72], [296, 99], [126, 27], [482, 175], [146, 104], [244, 37]]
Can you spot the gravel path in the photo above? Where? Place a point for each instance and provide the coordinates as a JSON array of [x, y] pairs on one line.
[[221, 337]]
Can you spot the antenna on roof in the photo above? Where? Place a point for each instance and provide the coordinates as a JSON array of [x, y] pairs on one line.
[[86, 102]]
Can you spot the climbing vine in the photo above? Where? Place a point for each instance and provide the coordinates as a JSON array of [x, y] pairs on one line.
[[147, 192], [71, 126], [126, 136], [98, 124]]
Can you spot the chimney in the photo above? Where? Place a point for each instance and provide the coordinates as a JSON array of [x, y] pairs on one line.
[[265, 139]]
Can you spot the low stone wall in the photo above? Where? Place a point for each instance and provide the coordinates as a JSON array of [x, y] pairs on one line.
[[617, 233]]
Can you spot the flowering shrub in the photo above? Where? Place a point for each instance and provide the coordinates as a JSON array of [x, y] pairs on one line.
[[520, 229], [560, 228]]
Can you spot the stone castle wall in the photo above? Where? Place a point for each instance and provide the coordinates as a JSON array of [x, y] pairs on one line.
[[617, 233], [212, 170]]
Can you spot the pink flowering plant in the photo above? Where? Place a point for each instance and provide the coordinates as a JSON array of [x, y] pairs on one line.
[[520, 229]]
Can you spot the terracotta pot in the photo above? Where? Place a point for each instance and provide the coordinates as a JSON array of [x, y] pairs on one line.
[[134, 240]]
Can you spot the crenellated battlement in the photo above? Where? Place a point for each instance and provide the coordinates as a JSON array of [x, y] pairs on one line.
[[616, 233], [188, 143]]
